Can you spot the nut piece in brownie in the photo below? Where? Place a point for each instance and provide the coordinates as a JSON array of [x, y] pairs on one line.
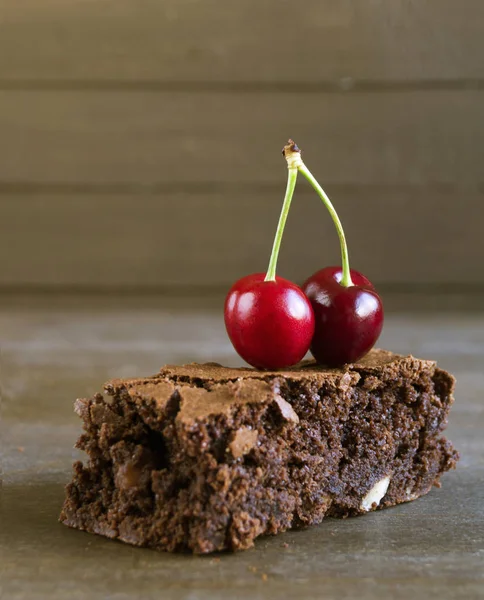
[[203, 458]]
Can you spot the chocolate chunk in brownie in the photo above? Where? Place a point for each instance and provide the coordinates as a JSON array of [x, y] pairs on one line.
[[203, 458]]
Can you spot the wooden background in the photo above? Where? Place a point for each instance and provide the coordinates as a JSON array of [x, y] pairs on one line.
[[140, 139]]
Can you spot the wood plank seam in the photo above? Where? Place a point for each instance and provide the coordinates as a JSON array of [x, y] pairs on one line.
[[344, 85], [28, 188]]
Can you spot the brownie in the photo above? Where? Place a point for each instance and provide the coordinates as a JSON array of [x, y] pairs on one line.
[[204, 458]]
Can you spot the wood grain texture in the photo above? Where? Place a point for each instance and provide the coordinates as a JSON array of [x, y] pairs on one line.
[[365, 138], [115, 110], [430, 549], [193, 40], [396, 235]]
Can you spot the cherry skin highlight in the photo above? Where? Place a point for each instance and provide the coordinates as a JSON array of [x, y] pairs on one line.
[[348, 320], [270, 323]]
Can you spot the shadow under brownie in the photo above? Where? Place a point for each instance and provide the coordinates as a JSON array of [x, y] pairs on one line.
[[205, 458]]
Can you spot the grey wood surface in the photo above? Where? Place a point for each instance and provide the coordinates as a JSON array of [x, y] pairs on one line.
[[58, 349], [398, 235], [115, 112], [429, 137], [211, 41]]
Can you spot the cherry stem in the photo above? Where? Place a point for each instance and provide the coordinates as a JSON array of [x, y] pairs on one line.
[[291, 184], [293, 157], [346, 280]]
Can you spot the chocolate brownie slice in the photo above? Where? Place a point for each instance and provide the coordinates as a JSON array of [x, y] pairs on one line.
[[205, 458]]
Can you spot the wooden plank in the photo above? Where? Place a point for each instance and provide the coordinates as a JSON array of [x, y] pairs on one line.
[[425, 550], [366, 138], [407, 235], [186, 40]]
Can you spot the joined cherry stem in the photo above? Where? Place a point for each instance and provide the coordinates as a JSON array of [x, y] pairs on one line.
[[293, 157], [295, 164], [291, 184]]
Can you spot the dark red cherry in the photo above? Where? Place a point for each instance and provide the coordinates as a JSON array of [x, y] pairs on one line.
[[270, 323], [348, 320]]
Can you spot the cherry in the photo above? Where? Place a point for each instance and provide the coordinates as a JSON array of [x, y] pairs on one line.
[[270, 323], [269, 320], [347, 310], [348, 320]]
